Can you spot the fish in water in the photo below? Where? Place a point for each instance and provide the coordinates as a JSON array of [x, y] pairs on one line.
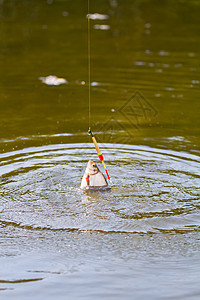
[[93, 178]]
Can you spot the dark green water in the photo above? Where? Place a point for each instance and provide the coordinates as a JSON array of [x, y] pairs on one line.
[[141, 241]]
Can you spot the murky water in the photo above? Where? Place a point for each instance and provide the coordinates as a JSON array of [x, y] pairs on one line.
[[141, 240]]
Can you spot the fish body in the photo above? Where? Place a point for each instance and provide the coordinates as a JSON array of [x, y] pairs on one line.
[[93, 177]]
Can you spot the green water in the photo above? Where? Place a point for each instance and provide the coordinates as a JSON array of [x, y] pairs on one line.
[[145, 71], [152, 47]]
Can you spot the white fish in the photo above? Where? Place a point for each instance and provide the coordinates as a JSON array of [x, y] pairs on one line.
[[93, 177]]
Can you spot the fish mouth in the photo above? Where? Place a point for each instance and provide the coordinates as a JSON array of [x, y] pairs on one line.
[[93, 171]]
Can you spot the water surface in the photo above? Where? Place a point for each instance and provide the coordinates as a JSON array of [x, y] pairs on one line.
[[142, 239]]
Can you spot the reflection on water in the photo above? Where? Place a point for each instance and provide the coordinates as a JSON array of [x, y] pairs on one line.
[[138, 53], [142, 238]]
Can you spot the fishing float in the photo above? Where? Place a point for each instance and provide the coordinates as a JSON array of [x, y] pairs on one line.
[[99, 153]]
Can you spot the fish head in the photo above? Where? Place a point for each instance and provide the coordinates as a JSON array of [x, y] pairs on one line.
[[93, 178], [92, 168]]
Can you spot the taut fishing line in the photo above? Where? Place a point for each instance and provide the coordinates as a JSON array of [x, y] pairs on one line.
[[89, 65], [100, 155]]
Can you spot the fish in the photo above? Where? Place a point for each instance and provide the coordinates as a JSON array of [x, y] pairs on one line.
[[93, 178]]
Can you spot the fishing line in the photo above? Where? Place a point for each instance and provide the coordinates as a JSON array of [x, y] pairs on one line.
[[89, 66], [100, 155]]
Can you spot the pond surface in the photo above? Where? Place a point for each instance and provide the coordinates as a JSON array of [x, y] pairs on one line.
[[142, 239]]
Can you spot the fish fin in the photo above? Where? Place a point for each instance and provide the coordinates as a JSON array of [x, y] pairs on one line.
[[88, 179]]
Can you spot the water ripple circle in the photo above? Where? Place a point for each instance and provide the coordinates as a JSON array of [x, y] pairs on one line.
[[153, 190]]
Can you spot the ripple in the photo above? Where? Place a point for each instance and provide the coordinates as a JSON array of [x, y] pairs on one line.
[[21, 280], [153, 190]]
